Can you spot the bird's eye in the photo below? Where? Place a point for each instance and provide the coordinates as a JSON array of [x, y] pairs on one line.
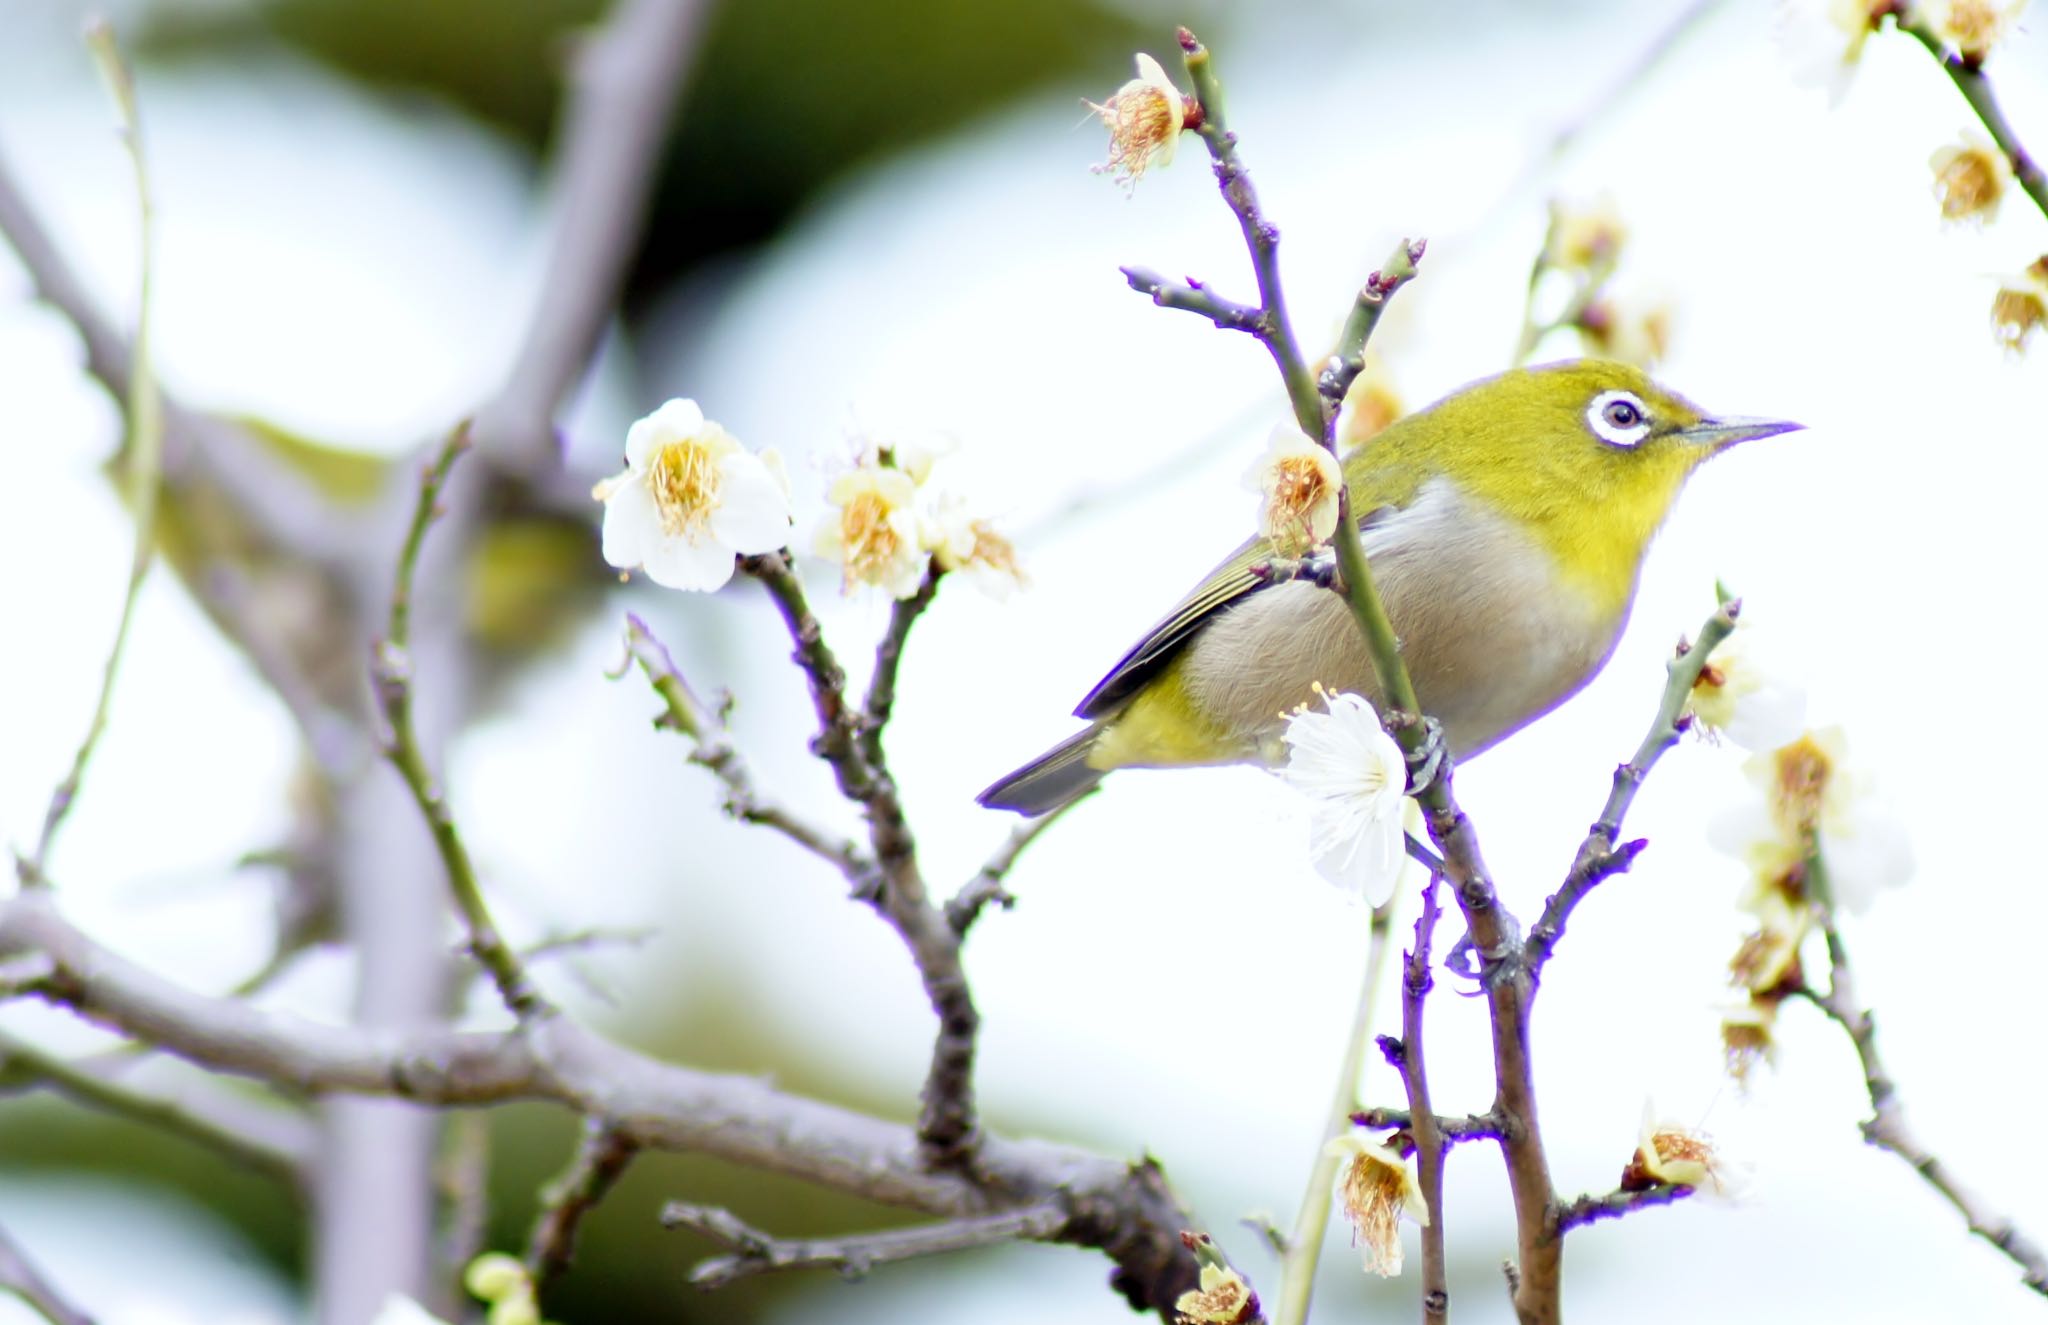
[[1618, 418]]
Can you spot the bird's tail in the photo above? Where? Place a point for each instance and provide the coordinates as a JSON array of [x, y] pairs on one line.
[[1055, 778]]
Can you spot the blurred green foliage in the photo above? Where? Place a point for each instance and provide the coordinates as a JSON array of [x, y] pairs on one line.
[[785, 98]]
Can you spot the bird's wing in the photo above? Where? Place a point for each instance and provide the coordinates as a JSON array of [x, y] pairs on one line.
[[1218, 591]]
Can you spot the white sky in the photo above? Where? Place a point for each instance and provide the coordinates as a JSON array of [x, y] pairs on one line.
[[368, 291]]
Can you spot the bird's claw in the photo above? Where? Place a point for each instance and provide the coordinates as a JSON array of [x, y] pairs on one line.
[[1426, 760], [1491, 962]]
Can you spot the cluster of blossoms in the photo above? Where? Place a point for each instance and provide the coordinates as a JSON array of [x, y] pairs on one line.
[[1825, 38], [1584, 246], [1814, 838], [692, 498]]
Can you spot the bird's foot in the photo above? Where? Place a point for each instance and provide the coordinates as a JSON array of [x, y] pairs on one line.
[[1426, 760], [1486, 966]]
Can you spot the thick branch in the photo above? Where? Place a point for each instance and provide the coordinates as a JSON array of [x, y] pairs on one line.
[[1121, 1208], [624, 85], [755, 1252], [1598, 856]]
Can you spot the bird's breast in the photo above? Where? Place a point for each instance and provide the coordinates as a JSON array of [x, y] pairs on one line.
[[1493, 634]]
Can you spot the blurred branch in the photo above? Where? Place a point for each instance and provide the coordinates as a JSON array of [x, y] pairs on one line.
[[754, 1252], [1598, 856], [1887, 1128], [142, 449], [986, 888], [19, 1276], [1303, 1247], [267, 1140], [391, 677], [625, 82], [600, 1160], [463, 1175], [1124, 1209], [1592, 1209], [850, 741], [1970, 79], [712, 747]]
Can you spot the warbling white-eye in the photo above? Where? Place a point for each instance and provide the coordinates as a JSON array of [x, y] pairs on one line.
[[1505, 526]]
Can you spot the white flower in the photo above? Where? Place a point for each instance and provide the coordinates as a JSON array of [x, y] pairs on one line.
[[1584, 235], [1223, 1298], [690, 499], [398, 1309], [1823, 39], [2020, 307], [1145, 119], [962, 543], [872, 530], [1356, 780], [1672, 1153], [1632, 326], [1742, 696], [1298, 483], [1970, 178], [1967, 28], [1376, 1187], [1811, 795]]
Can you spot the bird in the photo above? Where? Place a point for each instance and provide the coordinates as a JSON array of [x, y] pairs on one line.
[[1505, 527]]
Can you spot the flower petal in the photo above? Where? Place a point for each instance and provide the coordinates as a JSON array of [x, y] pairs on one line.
[[677, 563], [753, 509], [631, 524], [675, 419]]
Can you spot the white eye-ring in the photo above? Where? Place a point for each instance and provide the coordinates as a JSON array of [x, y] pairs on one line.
[[1618, 418]]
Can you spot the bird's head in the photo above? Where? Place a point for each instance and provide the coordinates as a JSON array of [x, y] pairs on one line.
[[1587, 455]]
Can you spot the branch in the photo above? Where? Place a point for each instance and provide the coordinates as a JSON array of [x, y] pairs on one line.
[[20, 1276], [1970, 80], [1887, 1128], [267, 1140], [1453, 1130], [850, 742], [601, 1159], [1430, 1144], [712, 747], [1592, 1209], [1123, 1209], [1598, 856], [986, 887], [391, 677], [1347, 360], [1194, 297], [754, 1252], [142, 449], [624, 85]]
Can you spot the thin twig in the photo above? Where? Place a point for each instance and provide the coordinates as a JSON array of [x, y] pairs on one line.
[[1599, 857], [987, 888], [1970, 80], [1194, 297], [391, 676], [880, 704], [755, 1252], [20, 1276], [1347, 360], [625, 81], [712, 747], [1453, 1130], [1430, 1144], [851, 744], [1615, 1204], [142, 451], [269, 1141], [1887, 1128], [601, 1159], [1304, 1246]]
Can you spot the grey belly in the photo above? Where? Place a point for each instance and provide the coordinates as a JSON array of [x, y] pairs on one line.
[[1491, 639]]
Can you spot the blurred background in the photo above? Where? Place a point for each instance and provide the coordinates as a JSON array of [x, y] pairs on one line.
[[881, 219]]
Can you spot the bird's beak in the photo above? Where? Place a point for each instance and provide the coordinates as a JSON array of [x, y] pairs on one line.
[[1720, 434]]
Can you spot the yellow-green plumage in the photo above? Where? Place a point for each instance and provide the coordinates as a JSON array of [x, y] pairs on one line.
[[1505, 525]]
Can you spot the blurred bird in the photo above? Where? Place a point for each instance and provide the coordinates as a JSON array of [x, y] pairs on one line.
[[1506, 527]]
